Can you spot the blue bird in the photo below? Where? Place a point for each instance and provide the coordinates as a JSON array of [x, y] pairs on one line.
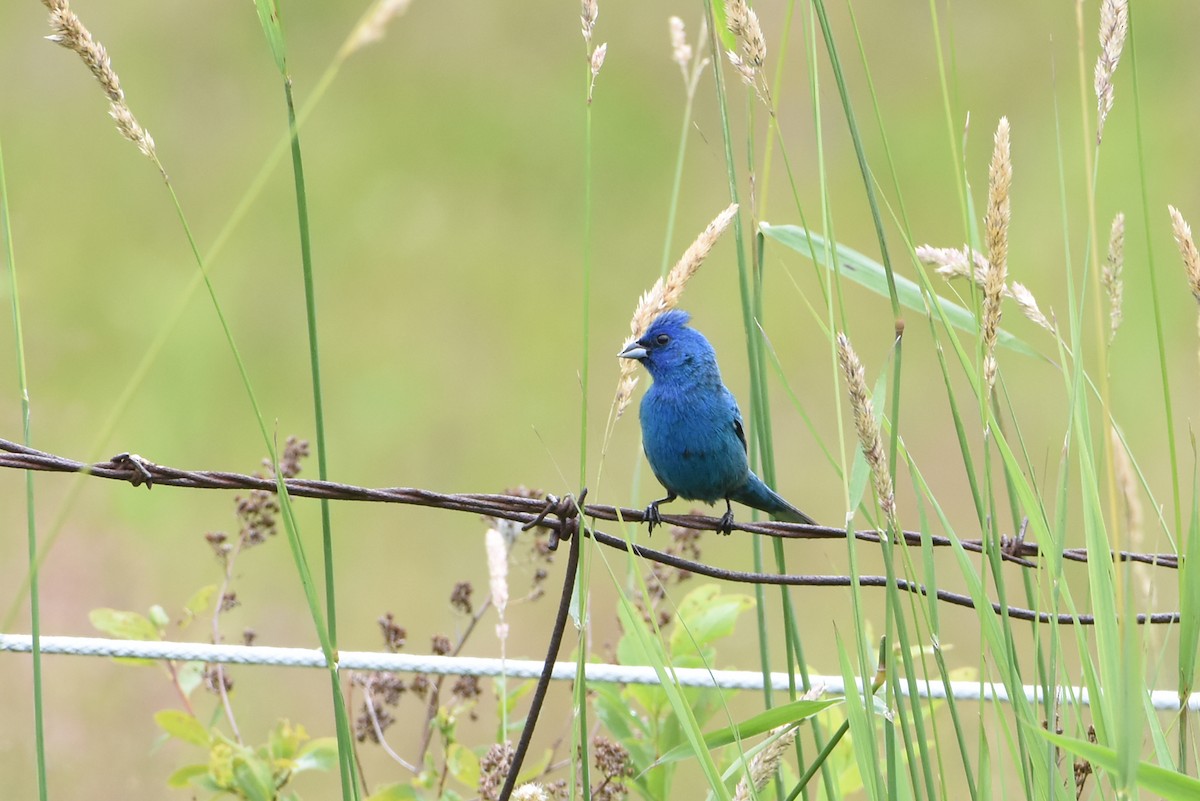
[[692, 428]]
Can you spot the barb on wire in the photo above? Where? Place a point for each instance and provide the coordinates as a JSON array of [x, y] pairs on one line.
[[554, 514]]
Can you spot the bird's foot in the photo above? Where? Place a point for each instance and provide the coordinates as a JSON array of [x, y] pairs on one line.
[[726, 523], [653, 517]]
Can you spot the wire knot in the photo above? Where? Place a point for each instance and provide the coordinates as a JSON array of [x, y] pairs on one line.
[[566, 509], [137, 467]]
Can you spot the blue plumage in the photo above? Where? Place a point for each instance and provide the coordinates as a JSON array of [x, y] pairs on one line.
[[692, 428]]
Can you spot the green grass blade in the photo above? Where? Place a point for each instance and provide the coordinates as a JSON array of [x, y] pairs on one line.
[[870, 274], [792, 712], [1167, 784], [35, 610]]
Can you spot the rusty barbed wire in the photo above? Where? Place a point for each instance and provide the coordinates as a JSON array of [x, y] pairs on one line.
[[560, 516]]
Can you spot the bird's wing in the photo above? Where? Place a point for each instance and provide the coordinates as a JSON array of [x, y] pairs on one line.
[[737, 420]]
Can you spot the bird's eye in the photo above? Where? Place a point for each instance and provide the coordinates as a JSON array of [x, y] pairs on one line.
[[662, 339]]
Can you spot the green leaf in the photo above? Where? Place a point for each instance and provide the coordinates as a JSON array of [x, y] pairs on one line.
[[284, 740], [183, 726], [183, 777], [728, 42], [463, 764], [159, 617], [1168, 784], [199, 603], [707, 615], [268, 16], [394, 792], [253, 779], [319, 754], [123, 625], [869, 273], [189, 676], [794, 712]]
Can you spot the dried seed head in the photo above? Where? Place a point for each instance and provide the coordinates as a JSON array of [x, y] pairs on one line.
[[128, 125], [952, 262], [765, 763], [69, 32], [754, 45], [588, 13], [681, 51], [530, 792], [496, 547], [1114, 25], [664, 295], [996, 222], [1111, 273], [1029, 306], [737, 14], [372, 26], [743, 69], [1187, 249], [867, 426], [598, 59]]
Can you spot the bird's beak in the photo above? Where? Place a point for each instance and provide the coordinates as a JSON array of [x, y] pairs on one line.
[[633, 351]]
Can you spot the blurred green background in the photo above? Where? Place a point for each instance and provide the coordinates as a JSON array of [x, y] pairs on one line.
[[445, 176]]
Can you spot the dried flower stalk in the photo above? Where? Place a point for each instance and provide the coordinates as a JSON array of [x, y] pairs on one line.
[[996, 220], [1114, 25], [867, 426], [71, 33], [664, 295], [1110, 275]]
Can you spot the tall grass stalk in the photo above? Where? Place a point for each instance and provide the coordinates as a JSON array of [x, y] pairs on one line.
[[35, 613], [370, 23]]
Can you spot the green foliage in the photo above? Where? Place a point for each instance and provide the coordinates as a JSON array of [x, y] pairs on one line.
[[642, 716], [256, 774]]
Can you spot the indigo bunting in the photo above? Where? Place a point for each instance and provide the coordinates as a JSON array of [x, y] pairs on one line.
[[692, 429]]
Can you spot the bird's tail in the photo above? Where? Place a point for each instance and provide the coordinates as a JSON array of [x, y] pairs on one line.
[[757, 494]]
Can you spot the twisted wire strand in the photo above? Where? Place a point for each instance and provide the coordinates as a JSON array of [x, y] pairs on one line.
[[1167, 700], [558, 517]]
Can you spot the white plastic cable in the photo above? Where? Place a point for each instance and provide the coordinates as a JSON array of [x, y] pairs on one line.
[[1167, 700]]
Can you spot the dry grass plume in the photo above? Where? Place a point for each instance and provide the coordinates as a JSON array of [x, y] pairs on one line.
[[1114, 26], [866, 424], [664, 295], [996, 221], [70, 32]]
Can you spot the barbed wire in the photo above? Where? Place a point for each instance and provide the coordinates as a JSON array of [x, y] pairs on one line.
[[560, 517], [274, 656]]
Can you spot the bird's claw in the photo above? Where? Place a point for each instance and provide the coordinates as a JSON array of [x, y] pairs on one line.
[[652, 517]]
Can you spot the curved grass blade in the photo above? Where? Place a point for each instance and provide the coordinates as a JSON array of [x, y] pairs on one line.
[[869, 273], [794, 712]]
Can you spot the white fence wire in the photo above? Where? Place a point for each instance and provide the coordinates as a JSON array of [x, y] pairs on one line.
[[1164, 700]]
